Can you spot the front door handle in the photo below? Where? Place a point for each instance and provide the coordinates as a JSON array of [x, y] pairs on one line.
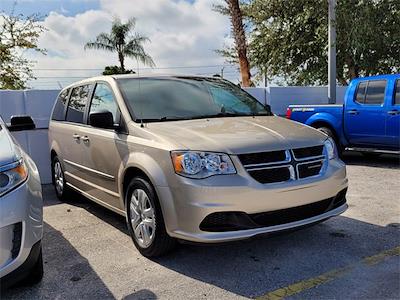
[[393, 112], [76, 137], [85, 139], [353, 112]]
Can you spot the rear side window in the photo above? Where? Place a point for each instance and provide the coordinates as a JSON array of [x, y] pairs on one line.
[[371, 92], [59, 108], [375, 92], [397, 93], [362, 87], [77, 103]]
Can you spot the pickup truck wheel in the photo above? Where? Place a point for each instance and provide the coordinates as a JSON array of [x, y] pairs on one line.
[[332, 135], [145, 220]]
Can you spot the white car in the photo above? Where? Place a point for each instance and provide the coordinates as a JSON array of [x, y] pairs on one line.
[[21, 210]]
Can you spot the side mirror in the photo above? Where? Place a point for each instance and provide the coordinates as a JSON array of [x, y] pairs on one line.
[[102, 119], [20, 123]]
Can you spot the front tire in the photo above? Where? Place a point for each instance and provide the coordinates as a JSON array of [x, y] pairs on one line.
[[145, 220], [36, 273], [62, 190]]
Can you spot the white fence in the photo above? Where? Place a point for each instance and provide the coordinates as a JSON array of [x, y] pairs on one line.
[[38, 104]]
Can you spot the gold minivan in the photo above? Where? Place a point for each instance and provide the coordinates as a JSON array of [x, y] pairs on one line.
[[191, 158]]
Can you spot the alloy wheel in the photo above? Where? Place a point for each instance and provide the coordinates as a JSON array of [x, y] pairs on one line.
[[142, 218], [58, 178]]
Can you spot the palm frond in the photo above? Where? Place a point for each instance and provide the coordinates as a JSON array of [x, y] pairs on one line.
[[103, 42], [134, 49]]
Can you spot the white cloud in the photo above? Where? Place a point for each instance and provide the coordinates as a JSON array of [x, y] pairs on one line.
[[181, 34]]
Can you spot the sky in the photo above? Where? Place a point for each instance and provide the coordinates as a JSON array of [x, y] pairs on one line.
[[184, 35]]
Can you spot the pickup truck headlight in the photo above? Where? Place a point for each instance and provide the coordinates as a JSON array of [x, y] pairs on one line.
[[330, 148], [197, 164], [11, 176]]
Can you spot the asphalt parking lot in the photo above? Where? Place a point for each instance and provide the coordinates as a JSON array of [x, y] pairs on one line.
[[88, 253]]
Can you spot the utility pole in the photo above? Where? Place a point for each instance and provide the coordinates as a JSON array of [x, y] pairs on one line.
[[265, 79], [332, 51]]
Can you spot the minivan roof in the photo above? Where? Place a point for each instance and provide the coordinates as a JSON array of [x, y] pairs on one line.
[[132, 76]]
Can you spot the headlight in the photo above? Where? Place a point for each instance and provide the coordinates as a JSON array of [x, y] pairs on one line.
[[330, 148], [12, 175], [196, 164]]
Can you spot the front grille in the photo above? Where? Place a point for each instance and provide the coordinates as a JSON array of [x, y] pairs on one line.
[[284, 165], [279, 174], [309, 169], [232, 221], [262, 157], [308, 152]]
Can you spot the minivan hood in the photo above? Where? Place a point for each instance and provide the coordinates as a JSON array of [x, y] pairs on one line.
[[7, 148], [236, 135]]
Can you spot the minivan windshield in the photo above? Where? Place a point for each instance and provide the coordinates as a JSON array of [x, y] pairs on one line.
[[182, 98]]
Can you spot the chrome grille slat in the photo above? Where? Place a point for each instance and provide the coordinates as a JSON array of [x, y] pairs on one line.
[[310, 158]]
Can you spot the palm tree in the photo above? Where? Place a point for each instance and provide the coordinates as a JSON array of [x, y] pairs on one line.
[[233, 9], [124, 41]]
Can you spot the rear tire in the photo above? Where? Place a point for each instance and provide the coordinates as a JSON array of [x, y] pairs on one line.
[[332, 135], [145, 220], [59, 182]]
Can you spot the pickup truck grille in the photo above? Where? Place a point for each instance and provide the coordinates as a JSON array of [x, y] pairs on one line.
[[284, 165]]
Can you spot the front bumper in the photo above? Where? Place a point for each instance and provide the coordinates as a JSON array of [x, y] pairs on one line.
[[21, 222], [187, 204]]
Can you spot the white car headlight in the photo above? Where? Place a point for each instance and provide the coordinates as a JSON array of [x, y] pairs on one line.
[[12, 175], [330, 148], [197, 164]]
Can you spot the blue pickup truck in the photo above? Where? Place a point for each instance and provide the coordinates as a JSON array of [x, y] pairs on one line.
[[368, 121]]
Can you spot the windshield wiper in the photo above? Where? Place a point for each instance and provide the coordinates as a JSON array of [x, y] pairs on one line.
[[228, 114], [162, 119]]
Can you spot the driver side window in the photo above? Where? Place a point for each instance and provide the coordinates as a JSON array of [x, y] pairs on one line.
[[103, 99]]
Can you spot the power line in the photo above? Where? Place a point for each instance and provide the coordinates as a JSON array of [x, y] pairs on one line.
[[155, 68]]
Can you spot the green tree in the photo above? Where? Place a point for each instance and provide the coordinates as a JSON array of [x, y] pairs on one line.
[[289, 38], [124, 42], [111, 70], [17, 34]]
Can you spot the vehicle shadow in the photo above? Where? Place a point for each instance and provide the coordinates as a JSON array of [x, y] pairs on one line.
[[386, 161], [253, 267], [67, 274]]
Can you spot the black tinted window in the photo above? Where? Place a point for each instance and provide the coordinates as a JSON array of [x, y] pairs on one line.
[[360, 97], [59, 107], [103, 99], [397, 94], [77, 103], [375, 92]]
